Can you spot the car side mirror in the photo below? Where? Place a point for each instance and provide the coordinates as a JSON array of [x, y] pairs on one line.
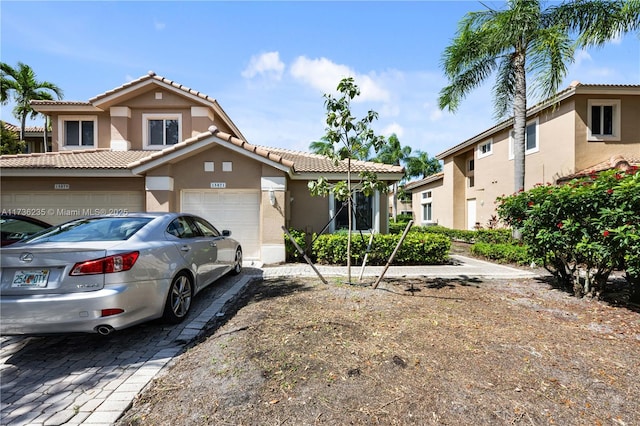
[[226, 233]]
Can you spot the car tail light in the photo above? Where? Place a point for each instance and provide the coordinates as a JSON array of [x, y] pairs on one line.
[[106, 265], [109, 312]]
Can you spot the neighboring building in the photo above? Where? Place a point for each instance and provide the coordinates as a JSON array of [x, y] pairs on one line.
[[155, 145], [33, 137], [425, 196], [583, 128]]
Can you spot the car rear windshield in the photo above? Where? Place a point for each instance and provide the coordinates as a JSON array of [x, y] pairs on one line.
[[93, 229]]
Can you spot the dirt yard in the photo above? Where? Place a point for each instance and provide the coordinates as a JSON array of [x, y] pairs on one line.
[[419, 351]]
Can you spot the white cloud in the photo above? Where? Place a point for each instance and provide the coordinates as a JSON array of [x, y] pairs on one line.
[[266, 64], [393, 128], [580, 56], [159, 26], [324, 75]]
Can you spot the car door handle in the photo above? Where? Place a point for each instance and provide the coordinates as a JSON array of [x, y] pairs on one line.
[[185, 248]]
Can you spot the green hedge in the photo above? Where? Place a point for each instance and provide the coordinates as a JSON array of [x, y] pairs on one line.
[[502, 252], [423, 245], [417, 249]]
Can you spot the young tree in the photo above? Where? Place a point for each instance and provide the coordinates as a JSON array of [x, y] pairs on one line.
[[349, 137], [23, 84], [393, 153], [523, 40]]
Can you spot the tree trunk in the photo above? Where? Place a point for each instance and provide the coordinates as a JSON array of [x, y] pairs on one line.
[[349, 221], [44, 146], [519, 127], [519, 123], [394, 208]]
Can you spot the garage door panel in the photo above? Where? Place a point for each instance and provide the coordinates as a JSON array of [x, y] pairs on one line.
[[237, 211], [58, 207]]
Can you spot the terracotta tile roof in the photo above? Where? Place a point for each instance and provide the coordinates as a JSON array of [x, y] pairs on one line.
[[615, 162], [79, 159], [314, 163], [152, 76], [27, 129], [417, 183], [300, 162]]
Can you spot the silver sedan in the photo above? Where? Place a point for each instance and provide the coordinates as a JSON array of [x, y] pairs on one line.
[[105, 273]]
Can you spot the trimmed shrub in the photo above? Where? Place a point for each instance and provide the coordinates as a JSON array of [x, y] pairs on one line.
[[300, 237], [417, 249], [502, 252]]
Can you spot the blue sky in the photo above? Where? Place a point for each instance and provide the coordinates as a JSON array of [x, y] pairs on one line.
[[269, 63]]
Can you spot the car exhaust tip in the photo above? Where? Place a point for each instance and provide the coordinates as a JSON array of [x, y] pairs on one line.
[[105, 330]]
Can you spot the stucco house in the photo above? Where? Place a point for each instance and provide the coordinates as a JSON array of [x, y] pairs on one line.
[[33, 137], [155, 145], [584, 127]]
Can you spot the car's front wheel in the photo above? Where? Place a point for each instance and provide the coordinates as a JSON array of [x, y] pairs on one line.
[[179, 298], [237, 263]]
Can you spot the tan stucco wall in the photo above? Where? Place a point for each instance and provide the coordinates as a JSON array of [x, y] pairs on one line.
[[590, 153], [11, 183], [440, 203], [308, 213]]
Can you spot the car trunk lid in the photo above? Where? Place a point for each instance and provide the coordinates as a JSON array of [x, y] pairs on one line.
[[46, 269]]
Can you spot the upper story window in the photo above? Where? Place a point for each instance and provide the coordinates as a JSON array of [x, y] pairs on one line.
[[603, 116], [485, 149], [78, 132], [426, 195], [531, 143], [161, 130]]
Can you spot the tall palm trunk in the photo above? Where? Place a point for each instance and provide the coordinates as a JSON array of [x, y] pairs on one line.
[[519, 121], [519, 128]]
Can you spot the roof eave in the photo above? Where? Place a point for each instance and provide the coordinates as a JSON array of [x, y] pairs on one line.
[[65, 172]]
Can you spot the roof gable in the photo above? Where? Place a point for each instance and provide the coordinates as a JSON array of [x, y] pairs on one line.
[[119, 95]]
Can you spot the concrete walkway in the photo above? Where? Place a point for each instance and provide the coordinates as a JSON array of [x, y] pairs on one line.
[[460, 267]]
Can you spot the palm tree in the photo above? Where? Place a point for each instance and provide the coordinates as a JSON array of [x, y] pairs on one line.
[[523, 40], [421, 165], [25, 87], [395, 154]]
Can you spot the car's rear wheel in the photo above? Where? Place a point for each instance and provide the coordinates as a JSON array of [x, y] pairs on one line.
[[179, 298], [237, 263]]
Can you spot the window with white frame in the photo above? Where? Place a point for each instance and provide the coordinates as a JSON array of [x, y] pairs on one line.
[[603, 117], [161, 130], [77, 132], [485, 148], [531, 143], [426, 204]]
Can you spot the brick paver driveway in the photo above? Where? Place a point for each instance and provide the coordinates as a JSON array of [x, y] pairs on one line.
[[90, 379]]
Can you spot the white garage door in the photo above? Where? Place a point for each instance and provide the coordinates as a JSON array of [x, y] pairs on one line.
[[237, 211], [61, 206]]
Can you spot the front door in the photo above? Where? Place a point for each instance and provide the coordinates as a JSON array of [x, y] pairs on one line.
[[471, 214]]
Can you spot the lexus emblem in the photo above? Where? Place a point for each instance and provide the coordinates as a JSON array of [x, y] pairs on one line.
[[26, 257]]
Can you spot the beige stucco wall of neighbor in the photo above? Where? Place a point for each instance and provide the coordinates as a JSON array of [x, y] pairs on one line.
[[439, 206], [590, 153]]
